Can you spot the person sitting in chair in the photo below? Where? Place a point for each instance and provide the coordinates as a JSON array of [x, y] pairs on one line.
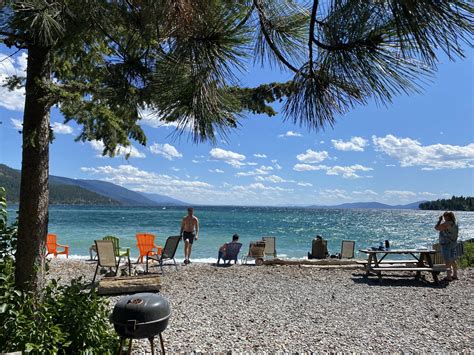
[[229, 251], [319, 248]]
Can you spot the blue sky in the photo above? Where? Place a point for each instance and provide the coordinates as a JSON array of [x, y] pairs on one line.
[[420, 147]]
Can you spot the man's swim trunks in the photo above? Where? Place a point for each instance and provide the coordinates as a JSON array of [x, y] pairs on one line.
[[189, 236]]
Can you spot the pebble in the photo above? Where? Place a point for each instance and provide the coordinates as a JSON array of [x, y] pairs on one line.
[[288, 309]]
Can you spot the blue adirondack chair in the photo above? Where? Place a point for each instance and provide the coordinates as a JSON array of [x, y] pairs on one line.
[[231, 253]]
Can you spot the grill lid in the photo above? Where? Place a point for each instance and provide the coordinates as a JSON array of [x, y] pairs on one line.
[[141, 308]]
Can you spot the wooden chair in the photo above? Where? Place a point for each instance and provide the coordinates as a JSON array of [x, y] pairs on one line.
[[270, 247], [256, 251], [347, 249], [52, 246], [146, 246], [167, 253], [105, 256]]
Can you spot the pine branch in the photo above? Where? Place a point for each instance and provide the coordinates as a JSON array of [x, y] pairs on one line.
[[263, 24], [311, 34]]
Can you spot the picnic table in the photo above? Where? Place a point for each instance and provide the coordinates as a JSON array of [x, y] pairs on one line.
[[420, 261]]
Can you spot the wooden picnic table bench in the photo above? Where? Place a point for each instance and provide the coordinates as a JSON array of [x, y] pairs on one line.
[[421, 262]]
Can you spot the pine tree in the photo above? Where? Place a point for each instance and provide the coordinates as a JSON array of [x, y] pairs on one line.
[[105, 61]]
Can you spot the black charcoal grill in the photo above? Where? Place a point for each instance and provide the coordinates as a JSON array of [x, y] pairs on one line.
[[142, 315]]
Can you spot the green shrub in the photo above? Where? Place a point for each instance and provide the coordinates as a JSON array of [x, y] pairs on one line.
[[467, 260], [59, 319]]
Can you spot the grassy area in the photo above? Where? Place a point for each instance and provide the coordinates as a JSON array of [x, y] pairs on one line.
[[467, 260]]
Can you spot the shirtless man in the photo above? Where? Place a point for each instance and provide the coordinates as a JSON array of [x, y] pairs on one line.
[[189, 233]]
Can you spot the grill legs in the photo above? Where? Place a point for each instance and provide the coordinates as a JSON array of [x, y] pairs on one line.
[[122, 340]]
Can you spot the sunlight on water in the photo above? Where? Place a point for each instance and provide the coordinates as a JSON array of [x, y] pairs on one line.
[[293, 227]]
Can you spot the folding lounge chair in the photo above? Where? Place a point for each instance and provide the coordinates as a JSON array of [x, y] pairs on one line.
[[167, 253], [270, 247], [105, 256], [231, 253], [146, 245], [120, 252], [347, 249], [52, 245], [256, 251]]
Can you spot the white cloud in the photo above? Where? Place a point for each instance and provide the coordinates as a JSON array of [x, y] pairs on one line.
[[402, 195], [58, 128], [410, 152], [263, 170], [290, 134], [272, 178], [356, 144], [228, 157], [334, 194], [153, 118], [61, 128], [195, 161], [218, 171], [307, 167], [260, 156], [121, 151], [166, 150], [366, 193], [347, 172], [141, 180], [305, 184], [259, 186], [17, 124], [12, 100], [310, 156]]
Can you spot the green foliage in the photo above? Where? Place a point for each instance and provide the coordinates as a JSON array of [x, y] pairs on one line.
[[61, 319], [57, 319], [467, 260], [58, 193], [454, 204], [113, 59], [8, 233]]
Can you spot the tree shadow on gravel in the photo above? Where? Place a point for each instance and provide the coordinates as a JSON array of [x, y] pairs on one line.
[[395, 280]]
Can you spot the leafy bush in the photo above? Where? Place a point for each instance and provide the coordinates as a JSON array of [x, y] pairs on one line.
[[59, 319], [8, 233], [467, 260]]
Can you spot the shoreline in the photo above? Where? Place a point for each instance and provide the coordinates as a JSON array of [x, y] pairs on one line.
[[249, 309]]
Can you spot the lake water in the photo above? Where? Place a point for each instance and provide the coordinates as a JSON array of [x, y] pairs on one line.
[[294, 228]]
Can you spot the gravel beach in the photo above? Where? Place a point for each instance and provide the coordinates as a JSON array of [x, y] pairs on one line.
[[289, 309]]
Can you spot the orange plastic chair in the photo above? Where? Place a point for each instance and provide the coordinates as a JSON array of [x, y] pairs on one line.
[[146, 246], [51, 245]]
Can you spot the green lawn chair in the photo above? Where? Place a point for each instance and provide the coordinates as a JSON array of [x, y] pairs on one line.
[[120, 252]]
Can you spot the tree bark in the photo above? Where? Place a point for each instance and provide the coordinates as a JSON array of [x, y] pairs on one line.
[[34, 192]]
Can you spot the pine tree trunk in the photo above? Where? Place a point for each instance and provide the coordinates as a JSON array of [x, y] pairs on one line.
[[34, 193]]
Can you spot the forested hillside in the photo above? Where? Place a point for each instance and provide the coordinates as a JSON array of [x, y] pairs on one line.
[[454, 204], [58, 194]]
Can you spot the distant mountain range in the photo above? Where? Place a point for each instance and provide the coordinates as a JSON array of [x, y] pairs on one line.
[[373, 205], [84, 192], [96, 192]]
